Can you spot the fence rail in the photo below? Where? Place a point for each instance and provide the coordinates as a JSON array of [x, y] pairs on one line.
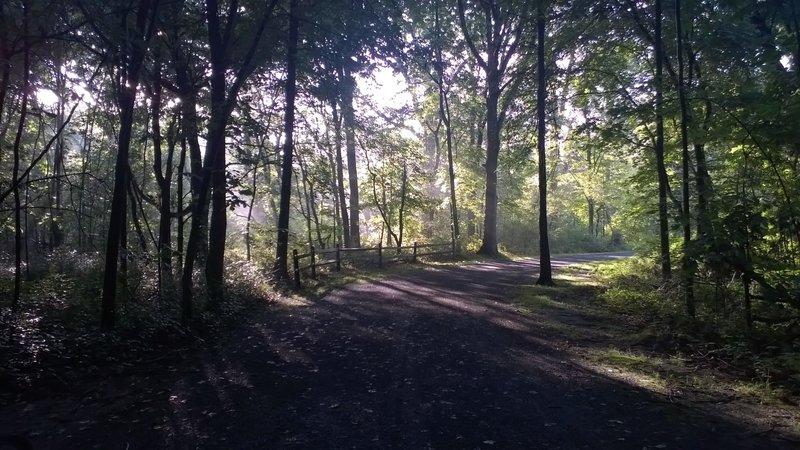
[[339, 253]]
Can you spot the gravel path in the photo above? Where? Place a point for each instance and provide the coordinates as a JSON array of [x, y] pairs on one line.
[[432, 359]]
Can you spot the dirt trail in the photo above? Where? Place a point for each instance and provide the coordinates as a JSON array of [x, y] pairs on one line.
[[432, 359]]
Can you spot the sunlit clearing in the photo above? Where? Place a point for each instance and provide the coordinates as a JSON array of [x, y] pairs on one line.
[[46, 97]]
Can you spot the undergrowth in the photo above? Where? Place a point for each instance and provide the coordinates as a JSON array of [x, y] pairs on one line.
[[55, 339], [768, 354]]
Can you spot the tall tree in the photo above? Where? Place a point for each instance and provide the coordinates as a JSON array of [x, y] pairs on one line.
[[340, 194], [687, 270], [666, 266], [500, 38], [545, 269], [224, 91], [281, 268], [26, 78], [129, 54]]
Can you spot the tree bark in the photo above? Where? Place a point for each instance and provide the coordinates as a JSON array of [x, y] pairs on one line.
[[163, 177], [444, 115], [342, 204], [348, 116], [281, 268], [666, 267], [15, 171], [126, 97], [545, 269], [687, 261], [502, 39]]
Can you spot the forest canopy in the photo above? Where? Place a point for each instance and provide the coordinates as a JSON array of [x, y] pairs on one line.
[[157, 150]]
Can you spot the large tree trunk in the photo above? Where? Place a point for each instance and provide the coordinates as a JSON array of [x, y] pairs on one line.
[[502, 37], [281, 268], [215, 154], [224, 92], [350, 142], [666, 267], [687, 261], [179, 199], [126, 98], [15, 173], [545, 269], [489, 244], [342, 203]]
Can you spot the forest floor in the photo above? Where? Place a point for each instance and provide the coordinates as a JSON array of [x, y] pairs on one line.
[[453, 357]]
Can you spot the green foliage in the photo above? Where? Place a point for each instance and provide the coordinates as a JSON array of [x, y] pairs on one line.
[[634, 287]]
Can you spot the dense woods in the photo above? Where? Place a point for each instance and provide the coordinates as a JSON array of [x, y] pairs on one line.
[[158, 157]]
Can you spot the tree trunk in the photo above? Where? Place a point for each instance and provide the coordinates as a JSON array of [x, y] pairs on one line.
[[223, 100], [179, 199], [253, 189], [489, 244], [308, 190], [164, 180], [350, 142], [215, 155], [126, 98], [666, 267], [23, 113], [341, 204], [502, 37], [444, 115], [545, 269], [403, 193], [188, 96], [281, 268], [56, 232], [687, 261]]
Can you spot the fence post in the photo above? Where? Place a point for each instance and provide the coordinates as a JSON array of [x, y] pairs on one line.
[[313, 263], [380, 255], [414, 258], [297, 284], [338, 257]]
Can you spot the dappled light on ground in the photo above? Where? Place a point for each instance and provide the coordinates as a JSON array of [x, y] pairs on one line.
[[445, 358]]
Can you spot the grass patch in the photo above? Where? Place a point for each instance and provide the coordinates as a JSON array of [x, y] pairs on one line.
[[649, 372], [753, 366], [668, 374]]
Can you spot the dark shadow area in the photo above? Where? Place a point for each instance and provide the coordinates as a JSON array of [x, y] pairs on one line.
[[430, 359]]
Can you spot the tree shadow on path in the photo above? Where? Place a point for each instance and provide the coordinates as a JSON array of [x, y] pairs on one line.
[[434, 359]]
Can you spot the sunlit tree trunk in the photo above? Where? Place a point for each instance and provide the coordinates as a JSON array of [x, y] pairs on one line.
[[342, 203], [444, 115], [502, 36], [348, 116]]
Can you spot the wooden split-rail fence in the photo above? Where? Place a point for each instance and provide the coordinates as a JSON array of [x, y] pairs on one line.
[[333, 256]]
